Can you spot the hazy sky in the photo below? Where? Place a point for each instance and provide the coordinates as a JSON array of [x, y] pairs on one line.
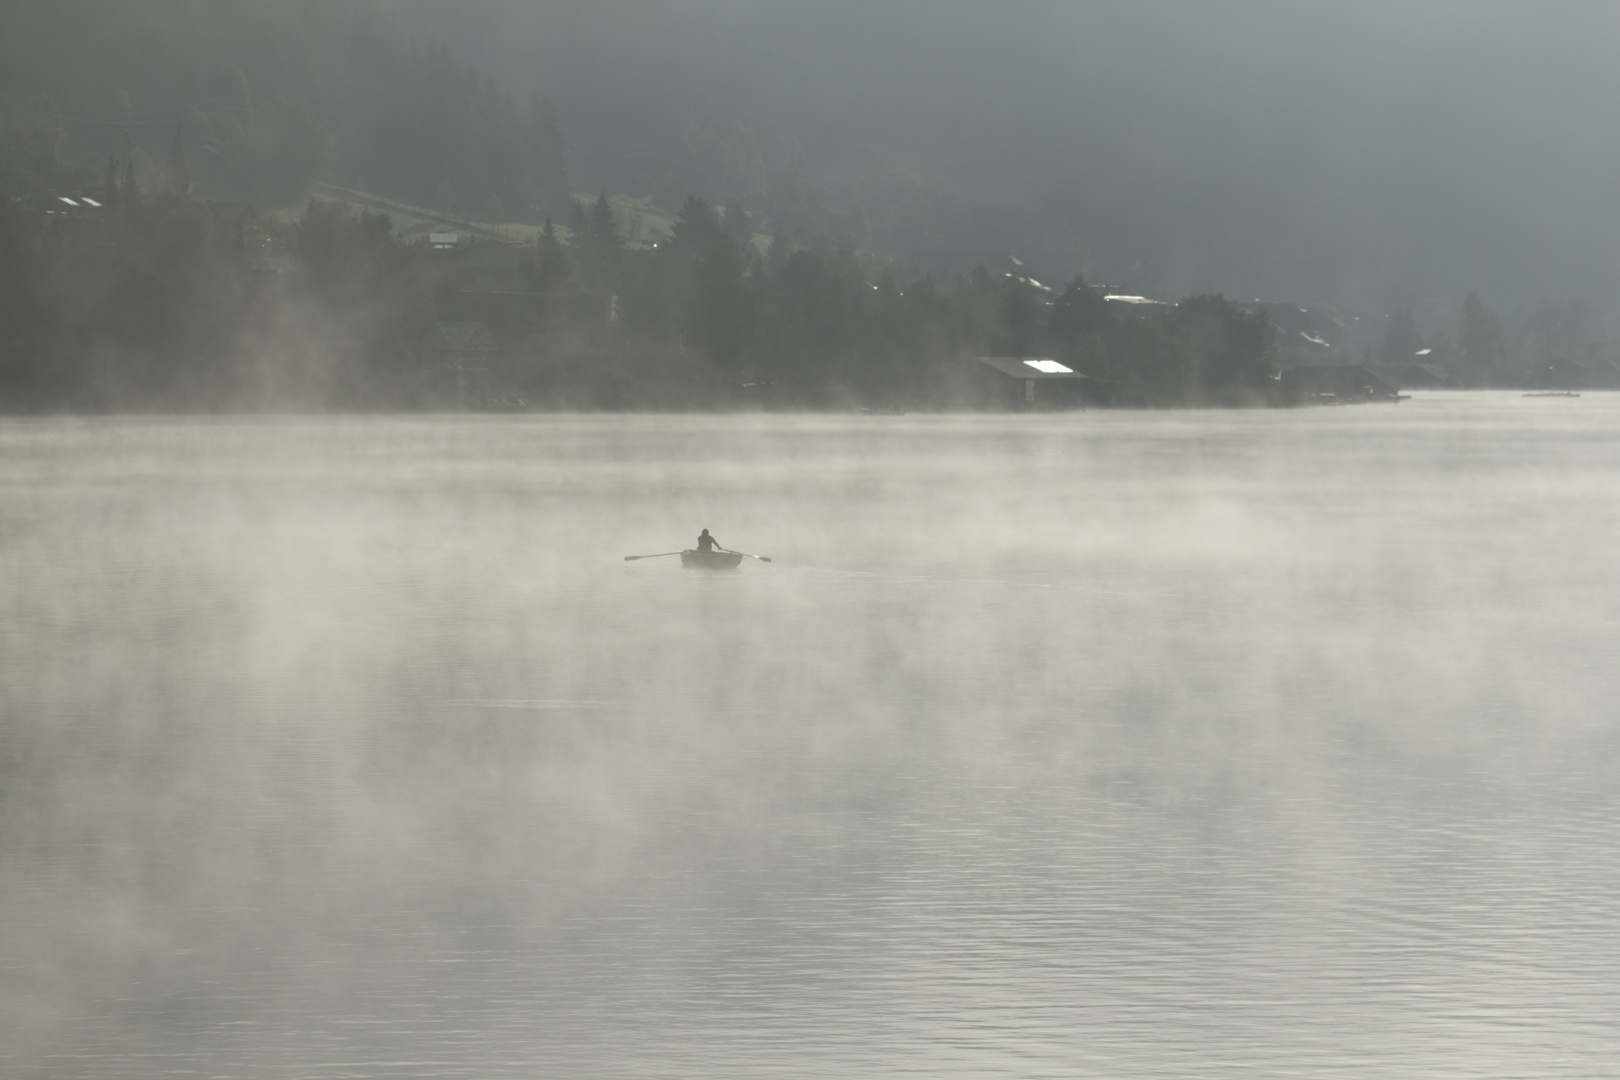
[[1371, 153]]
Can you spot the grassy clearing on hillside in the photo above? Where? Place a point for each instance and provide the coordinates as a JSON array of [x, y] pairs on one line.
[[641, 221]]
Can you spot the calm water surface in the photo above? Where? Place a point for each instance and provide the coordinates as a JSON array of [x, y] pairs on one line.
[[1209, 744]]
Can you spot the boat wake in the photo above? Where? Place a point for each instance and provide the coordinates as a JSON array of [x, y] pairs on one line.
[[935, 580]]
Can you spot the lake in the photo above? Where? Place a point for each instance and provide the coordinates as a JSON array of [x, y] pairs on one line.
[[1103, 744]]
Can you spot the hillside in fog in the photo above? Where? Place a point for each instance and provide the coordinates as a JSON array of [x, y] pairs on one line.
[[718, 205], [1372, 155], [276, 96]]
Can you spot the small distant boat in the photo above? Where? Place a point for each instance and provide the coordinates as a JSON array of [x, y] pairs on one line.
[[1554, 393], [693, 559]]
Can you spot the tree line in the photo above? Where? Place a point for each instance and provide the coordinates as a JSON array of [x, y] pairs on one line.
[[156, 301], [1562, 345], [820, 322]]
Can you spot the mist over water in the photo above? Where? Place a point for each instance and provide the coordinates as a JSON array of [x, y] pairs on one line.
[[1119, 744]]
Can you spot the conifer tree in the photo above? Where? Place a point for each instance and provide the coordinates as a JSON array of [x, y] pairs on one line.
[[177, 165], [738, 224], [552, 267], [129, 196], [1080, 309], [695, 224], [1401, 339], [603, 230], [109, 187], [1480, 335]]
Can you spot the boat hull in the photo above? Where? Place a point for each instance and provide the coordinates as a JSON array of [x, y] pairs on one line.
[[693, 559]]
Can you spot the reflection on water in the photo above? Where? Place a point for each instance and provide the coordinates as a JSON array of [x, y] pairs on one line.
[[1215, 744]]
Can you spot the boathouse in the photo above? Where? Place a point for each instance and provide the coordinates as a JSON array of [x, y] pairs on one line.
[[1024, 383]]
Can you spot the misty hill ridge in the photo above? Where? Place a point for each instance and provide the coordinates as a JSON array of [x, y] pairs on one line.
[[175, 121]]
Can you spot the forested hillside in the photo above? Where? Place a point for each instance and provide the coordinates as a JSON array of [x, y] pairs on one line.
[[272, 96], [152, 300], [160, 249]]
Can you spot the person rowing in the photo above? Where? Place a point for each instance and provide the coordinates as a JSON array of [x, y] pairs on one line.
[[708, 555]]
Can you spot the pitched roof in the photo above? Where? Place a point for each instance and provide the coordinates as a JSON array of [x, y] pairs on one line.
[[1029, 367]]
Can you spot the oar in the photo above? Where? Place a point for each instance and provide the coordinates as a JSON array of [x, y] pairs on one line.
[[660, 555], [745, 555]]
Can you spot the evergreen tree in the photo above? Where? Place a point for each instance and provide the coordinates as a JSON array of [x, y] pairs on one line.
[[604, 232], [177, 165], [737, 224], [1079, 310], [980, 313], [719, 317], [1079, 326], [1480, 335], [1022, 314], [777, 254], [597, 247], [129, 196], [890, 340], [1153, 368], [695, 224], [1401, 339], [552, 269], [109, 187], [1226, 349], [819, 309]]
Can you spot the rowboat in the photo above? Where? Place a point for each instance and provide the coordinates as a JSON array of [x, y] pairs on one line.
[[694, 559]]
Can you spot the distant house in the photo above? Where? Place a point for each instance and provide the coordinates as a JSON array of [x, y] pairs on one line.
[[1314, 326], [1028, 382], [1341, 382], [65, 211], [483, 265], [1131, 305], [493, 288]]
